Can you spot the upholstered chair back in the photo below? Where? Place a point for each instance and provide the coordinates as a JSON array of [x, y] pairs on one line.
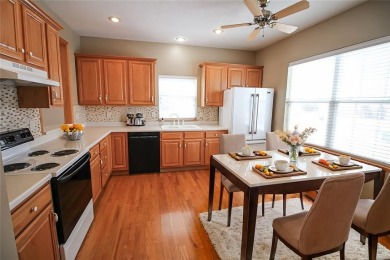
[[272, 142], [378, 217], [328, 222], [230, 143]]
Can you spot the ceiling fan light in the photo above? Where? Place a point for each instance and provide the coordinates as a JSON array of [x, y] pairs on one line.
[[114, 19], [218, 31], [180, 39]]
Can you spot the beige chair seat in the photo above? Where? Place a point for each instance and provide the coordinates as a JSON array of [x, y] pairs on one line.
[[290, 227]]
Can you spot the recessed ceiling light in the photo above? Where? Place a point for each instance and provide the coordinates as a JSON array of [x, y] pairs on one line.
[[180, 39], [218, 31], [114, 19]]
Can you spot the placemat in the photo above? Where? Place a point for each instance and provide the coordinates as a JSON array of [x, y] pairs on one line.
[[338, 168], [280, 175], [285, 151], [241, 158]]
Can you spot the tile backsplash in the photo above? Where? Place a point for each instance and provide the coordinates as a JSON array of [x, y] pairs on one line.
[[13, 117]]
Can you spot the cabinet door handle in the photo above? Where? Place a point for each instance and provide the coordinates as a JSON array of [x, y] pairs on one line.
[[152, 98], [54, 94], [206, 143], [30, 54], [55, 216], [34, 209], [180, 145], [101, 162], [100, 98], [22, 50], [106, 98], [185, 145]]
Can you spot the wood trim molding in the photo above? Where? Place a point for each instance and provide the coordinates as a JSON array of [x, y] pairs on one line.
[[65, 81], [80, 55], [231, 65]]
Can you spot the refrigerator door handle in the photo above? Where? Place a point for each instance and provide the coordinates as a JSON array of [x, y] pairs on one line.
[[252, 114], [257, 112]]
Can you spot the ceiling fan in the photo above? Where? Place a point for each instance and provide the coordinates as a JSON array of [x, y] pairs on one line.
[[265, 18]]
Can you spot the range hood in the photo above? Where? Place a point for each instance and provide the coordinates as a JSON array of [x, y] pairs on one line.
[[25, 76]]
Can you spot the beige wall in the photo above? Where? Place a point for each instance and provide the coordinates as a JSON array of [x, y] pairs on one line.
[[365, 22], [53, 117]]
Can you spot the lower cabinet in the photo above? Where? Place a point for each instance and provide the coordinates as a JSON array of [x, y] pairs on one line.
[[187, 149], [34, 227], [101, 166], [120, 158]]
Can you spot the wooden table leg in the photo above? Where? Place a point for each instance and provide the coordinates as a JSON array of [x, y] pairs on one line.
[[211, 191], [249, 222]]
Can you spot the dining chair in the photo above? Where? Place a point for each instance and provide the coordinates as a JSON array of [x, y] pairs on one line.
[[272, 142], [231, 143], [324, 229], [372, 219]]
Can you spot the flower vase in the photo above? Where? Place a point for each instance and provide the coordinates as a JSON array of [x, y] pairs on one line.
[[73, 136], [293, 153]]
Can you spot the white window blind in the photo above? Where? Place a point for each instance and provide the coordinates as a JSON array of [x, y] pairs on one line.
[[347, 98], [177, 95]]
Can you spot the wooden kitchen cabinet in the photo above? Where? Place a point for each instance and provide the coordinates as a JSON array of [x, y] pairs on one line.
[[89, 81], [101, 166], [171, 151], [213, 83], [245, 76], [193, 153], [34, 34], [142, 78], [11, 37], [120, 152], [34, 227], [114, 80], [45, 97], [212, 144]]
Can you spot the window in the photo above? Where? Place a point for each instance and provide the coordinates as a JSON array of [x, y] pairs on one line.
[[346, 96], [177, 96]]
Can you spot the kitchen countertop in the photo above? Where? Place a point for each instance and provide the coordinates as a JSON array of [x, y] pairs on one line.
[[21, 186]]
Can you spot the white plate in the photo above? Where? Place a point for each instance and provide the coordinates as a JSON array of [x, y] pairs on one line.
[[273, 168], [241, 154], [344, 165]]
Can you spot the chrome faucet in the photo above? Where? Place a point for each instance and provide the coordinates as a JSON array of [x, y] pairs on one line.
[[178, 118]]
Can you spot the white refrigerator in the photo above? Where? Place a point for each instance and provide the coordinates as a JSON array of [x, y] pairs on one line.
[[247, 111]]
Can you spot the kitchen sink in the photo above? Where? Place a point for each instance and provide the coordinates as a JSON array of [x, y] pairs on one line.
[[184, 127]]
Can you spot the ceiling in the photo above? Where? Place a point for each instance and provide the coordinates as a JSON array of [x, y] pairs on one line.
[[164, 20]]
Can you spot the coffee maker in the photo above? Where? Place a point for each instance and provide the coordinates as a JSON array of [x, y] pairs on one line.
[[139, 121], [130, 119]]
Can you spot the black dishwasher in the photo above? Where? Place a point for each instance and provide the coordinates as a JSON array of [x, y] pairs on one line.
[[144, 152]]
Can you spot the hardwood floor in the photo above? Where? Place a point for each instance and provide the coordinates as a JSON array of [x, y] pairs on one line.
[[154, 216]]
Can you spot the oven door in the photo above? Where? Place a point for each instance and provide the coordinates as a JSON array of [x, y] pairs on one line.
[[72, 191]]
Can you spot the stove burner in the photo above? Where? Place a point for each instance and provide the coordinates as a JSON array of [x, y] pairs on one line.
[[15, 166], [45, 166], [38, 153], [64, 152]]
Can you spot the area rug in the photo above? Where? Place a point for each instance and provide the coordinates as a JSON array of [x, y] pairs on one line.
[[227, 240]]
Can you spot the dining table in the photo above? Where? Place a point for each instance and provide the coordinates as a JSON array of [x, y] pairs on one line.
[[253, 184]]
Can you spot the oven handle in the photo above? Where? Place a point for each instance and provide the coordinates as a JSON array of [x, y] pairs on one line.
[[70, 172]]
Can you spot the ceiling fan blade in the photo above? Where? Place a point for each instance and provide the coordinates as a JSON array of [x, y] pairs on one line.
[[292, 9], [253, 7], [284, 27], [253, 34], [235, 25]]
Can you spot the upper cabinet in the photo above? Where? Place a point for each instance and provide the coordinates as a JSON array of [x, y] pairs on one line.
[[54, 64], [11, 42], [213, 82], [245, 76], [142, 90], [23, 33], [216, 77], [109, 80]]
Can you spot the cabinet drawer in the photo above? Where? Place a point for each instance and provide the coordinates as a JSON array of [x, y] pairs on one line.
[[215, 134], [103, 143], [30, 209], [94, 152], [192, 135], [171, 135], [103, 158]]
